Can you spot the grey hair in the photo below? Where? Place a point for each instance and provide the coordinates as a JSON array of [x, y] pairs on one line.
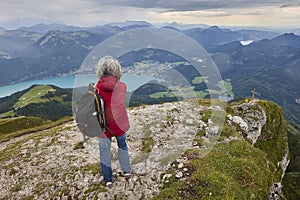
[[107, 65]]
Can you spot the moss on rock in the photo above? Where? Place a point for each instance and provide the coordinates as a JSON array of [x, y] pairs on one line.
[[273, 139]]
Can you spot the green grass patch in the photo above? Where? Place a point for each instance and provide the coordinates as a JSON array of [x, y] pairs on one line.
[[147, 144], [228, 131], [30, 197], [162, 95], [34, 95], [97, 188], [273, 139], [234, 171], [17, 187], [226, 85], [206, 115], [291, 186], [21, 123], [26, 125], [199, 79], [204, 102], [201, 94], [91, 168], [139, 158]]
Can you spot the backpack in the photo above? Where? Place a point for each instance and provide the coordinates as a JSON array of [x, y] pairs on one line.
[[90, 114]]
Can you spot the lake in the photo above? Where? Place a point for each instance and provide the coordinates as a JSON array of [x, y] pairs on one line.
[[132, 81]]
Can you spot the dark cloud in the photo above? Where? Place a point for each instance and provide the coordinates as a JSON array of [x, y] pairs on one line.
[[193, 5]]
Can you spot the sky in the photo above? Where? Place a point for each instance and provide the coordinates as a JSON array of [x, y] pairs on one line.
[[271, 13]]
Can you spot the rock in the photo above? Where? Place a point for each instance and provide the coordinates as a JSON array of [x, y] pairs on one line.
[[202, 124], [212, 131], [251, 118], [180, 165], [179, 175], [229, 117], [166, 177], [240, 122], [275, 190], [190, 121]]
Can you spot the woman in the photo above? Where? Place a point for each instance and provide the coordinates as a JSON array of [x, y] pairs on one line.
[[113, 93]]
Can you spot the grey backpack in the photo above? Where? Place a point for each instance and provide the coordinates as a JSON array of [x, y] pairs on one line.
[[90, 114]]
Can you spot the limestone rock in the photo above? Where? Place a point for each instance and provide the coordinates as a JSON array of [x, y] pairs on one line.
[[44, 165]]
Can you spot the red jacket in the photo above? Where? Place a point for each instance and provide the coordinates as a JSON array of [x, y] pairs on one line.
[[113, 93]]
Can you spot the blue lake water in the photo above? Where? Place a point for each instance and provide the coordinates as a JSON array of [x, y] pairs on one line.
[[132, 81]]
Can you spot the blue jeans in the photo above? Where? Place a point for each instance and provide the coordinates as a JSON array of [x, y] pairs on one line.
[[105, 157]]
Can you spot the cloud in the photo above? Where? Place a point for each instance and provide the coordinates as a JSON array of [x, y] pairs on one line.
[[291, 3], [15, 13], [193, 5]]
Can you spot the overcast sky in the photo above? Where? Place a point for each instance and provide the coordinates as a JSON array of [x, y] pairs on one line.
[[15, 13]]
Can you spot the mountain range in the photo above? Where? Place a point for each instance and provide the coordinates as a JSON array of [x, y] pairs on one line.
[[269, 62], [272, 66]]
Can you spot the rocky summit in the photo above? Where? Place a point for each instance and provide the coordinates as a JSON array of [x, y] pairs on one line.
[[178, 150]]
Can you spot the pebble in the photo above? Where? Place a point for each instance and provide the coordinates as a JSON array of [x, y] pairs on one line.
[[179, 175], [180, 165]]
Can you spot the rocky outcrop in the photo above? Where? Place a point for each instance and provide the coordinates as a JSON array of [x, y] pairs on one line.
[[167, 143], [251, 117], [269, 131]]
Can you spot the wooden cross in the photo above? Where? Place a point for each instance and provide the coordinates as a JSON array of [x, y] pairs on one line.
[[254, 93]]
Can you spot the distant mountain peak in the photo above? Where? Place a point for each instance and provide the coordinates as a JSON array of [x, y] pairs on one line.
[[55, 38], [130, 23], [171, 28], [174, 23], [214, 28], [288, 39], [44, 28]]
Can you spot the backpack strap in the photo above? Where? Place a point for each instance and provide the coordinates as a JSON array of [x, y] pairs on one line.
[[109, 130], [99, 104], [85, 139]]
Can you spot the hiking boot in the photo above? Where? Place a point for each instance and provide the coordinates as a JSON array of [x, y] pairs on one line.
[[127, 175], [109, 184]]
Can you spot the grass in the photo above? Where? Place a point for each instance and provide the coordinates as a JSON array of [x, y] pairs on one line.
[[223, 85], [162, 95], [201, 94], [91, 168], [17, 187], [21, 123], [139, 158], [273, 139], [228, 87], [78, 145], [26, 125], [97, 188], [34, 95], [147, 144], [291, 184], [199, 79], [234, 171]]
